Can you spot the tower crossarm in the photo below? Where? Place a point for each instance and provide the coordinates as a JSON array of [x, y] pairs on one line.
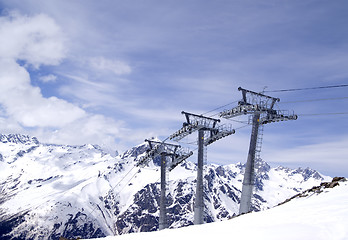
[[156, 149], [251, 103], [169, 146], [186, 130], [194, 123], [241, 109], [179, 158], [190, 118], [150, 154], [250, 97], [277, 116], [218, 133]]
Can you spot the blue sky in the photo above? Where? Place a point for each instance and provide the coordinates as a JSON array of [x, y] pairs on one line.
[[116, 72]]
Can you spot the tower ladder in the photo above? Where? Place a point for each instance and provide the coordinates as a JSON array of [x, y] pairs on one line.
[[259, 142]]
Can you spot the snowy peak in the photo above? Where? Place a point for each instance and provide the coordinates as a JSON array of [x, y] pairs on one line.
[[18, 139], [14, 147], [261, 166], [135, 151], [307, 173]]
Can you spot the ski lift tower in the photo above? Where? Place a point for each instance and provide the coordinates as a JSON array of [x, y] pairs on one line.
[[214, 132], [260, 107], [177, 155]]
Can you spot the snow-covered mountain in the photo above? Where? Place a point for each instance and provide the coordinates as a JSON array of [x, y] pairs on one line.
[[319, 213], [48, 191]]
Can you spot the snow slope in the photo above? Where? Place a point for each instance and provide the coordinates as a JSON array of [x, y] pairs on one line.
[[318, 216]]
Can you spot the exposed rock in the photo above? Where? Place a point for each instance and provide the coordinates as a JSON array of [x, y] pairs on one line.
[[317, 189]]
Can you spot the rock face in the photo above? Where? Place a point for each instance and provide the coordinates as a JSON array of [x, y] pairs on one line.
[[48, 191], [317, 189]]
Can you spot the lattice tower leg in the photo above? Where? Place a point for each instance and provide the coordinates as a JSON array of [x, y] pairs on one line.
[[199, 206], [248, 182], [163, 199]]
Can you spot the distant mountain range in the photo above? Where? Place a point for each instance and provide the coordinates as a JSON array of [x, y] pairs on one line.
[[48, 190]]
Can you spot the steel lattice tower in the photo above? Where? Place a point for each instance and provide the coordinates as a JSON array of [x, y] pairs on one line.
[[164, 150], [201, 124], [260, 106]]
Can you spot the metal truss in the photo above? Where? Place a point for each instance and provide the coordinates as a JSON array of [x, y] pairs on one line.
[[198, 122], [218, 133], [277, 116], [150, 154], [251, 103], [258, 103], [241, 109], [253, 98], [179, 158], [175, 152], [194, 123]]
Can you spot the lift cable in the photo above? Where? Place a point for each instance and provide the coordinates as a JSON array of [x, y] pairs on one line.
[[128, 182], [317, 100], [113, 188], [219, 108], [287, 90], [309, 88], [322, 114], [238, 121]]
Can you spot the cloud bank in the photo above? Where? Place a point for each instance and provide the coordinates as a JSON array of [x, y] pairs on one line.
[[32, 42]]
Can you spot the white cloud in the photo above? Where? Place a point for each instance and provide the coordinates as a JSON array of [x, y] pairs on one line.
[[83, 80], [116, 66], [48, 78], [9, 126], [92, 93], [36, 40], [95, 129], [25, 103]]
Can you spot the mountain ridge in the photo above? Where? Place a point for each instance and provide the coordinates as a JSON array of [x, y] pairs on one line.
[[82, 191]]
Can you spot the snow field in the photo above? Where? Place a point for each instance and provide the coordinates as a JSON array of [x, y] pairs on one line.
[[320, 217]]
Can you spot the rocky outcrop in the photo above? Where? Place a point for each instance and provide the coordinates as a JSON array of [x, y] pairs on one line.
[[317, 189]]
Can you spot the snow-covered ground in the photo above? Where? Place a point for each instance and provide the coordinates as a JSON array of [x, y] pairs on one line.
[[318, 216]]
